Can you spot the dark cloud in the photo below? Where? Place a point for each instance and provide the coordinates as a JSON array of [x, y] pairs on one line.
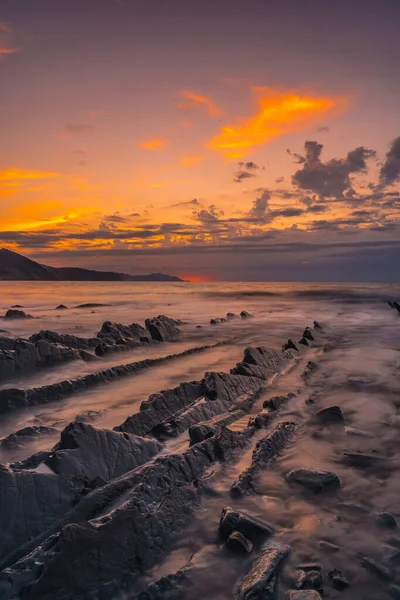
[[330, 179], [249, 165], [279, 180], [317, 208], [194, 202], [240, 175], [260, 206], [323, 129], [390, 170], [116, 218], [135, 215], [79, 129], [208, 216]]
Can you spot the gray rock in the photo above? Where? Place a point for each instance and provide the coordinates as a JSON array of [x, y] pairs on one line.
[[61, 307], [30, 503], [276, 402], [377, 568], [77, 454], [16, 314], [206, 429], [363, 460], [260, 582], [309, 370], [254, 529], [387, 520], [358, 432], [338, 579], [162, 328], [262, 362], [330, 416], [328, 546], [25, 435], [117, 531], [245, 315], [315, 480], [239, 544], [264, 454]]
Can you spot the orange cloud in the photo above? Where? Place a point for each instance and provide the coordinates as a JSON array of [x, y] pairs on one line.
[[17, 176], [4, 51], [278, 113], [155, 144], [190, 161], [191, 100]]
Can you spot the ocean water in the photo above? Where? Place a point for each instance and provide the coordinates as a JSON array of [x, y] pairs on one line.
[[358, 361]]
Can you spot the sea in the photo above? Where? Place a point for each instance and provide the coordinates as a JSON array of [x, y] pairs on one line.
[[359, 370]]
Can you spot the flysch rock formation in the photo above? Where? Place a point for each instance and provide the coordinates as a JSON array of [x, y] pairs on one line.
[[124, 505]]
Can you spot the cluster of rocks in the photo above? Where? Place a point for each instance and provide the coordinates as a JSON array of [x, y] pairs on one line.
[[395, 305], [47, 348], [109, 505], [229, 316]]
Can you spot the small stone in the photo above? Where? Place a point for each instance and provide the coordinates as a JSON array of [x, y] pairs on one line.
[[314, 480], [303, 342], [17, 314], [377, 568], [245, 315], [61, 307], [330, 416], [238, 543], [317, 325], [308, 334], [387, 520], [338, 579], [357, 432], [328, 546], [362, 459]]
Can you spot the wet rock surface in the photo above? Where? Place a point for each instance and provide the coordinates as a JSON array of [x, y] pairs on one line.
[[260, 583], [315, 480]]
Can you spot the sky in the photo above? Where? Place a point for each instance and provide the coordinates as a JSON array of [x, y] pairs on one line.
[[213, 140]]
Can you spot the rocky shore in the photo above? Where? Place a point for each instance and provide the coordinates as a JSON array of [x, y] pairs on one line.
[[94, 516]]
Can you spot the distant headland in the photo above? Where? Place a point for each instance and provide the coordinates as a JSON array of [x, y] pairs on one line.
[[16, 267]]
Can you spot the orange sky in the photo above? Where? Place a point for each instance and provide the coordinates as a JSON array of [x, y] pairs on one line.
[[116, 143]]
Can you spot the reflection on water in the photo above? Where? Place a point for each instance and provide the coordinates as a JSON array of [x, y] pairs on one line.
[[359, 371]]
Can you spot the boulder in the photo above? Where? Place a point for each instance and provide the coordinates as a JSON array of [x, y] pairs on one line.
[[163, 329], [260, 583], [237, 543], [25, 436], [16, 314], [254, 529], [338, 579], [304, 595], [315, 480], [245, 315], [330, 416], [61, 307]]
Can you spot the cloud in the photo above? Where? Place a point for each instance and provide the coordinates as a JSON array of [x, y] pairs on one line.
[[240, 175], [323, 129], [260, 206], [278, 113], [193, 202], [97, 112], [154, 144], [191, 100], [330, 179], [190, 161], [249, 165], [208, 216], [22, 175], [279, 180], [5, 27], [5, 50], [79, 129], [390, 171]]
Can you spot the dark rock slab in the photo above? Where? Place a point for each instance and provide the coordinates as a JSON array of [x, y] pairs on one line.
[[262, 362], [25, 436], [15, 398], [111, 332], [227, 387], [276, 402], [254, 529], [264, 454], [65, 339], [30, 503], [61, 307], [377, 568], [260, 583], [205, 429], [13, 313], [364, 460], [309, 370], [386, 520], [245, 315], [89, 452], [315, 480], [162, 406], [163, 329], [117, 531], [239, 544], [330, 416], [338, 579]]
